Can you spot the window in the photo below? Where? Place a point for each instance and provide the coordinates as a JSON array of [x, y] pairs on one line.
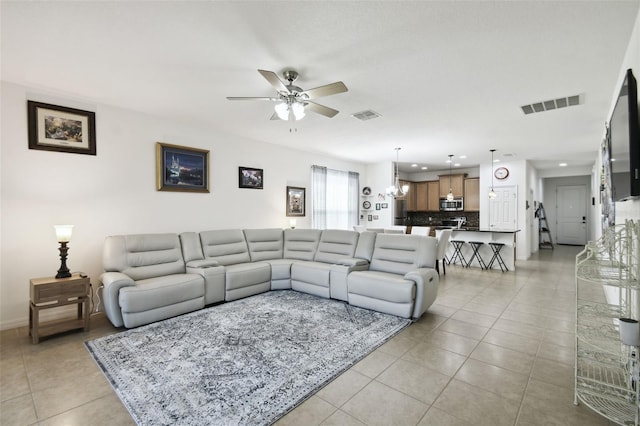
[[334, 198]]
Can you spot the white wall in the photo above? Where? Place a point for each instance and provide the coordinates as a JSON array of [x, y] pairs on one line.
[[114, 191]]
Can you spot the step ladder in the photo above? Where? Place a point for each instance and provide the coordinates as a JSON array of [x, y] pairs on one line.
[[544, 234]]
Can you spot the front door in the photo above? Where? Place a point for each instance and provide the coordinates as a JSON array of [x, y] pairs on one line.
[[502, 214], [572, 214]]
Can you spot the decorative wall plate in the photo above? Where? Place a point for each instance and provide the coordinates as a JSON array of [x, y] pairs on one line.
[[501, 173], [366, 191], [366, 205]]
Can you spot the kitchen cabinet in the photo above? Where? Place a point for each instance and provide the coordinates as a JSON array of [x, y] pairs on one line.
[[433, 202], [421, 196], [457, 185], [411, 195], [472, 195]]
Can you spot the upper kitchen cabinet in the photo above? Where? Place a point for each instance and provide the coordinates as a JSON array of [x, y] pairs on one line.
[[472, 195], [457, 185], [422, 195], [433, 198]]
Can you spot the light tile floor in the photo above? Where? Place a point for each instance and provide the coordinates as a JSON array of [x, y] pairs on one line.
[[495, 349]]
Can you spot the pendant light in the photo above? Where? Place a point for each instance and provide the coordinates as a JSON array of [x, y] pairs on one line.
[[492, 193], [450, 196], [395, 190]]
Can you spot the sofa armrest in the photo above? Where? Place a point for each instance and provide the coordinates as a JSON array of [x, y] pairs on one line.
[[353, 261], [427, 281], [203, 263], [112, 282]]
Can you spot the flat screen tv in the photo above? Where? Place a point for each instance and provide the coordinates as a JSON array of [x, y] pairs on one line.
[[625, 135]]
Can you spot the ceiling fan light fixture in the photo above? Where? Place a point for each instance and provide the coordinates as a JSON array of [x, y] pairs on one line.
[[282, 109], [298, 110]]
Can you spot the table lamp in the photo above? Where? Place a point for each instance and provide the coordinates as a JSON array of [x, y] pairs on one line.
[[63, 234]]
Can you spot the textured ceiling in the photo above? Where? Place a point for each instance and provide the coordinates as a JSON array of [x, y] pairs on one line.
[[447, 77]]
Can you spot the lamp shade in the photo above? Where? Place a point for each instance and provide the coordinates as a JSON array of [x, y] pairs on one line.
[[63, 233], [282, 109]]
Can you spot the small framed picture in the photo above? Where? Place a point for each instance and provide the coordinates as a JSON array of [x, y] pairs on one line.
[[250, 178], [370, 218], [62, 129], [295, 201], [376, 217], [377, 206], [385, 205], [181, 169]]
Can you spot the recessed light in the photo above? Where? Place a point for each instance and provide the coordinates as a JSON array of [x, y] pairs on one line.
[[414, 165], [456, 165], [613, 159], [448, 161], [562, 164], [497, 160], [424, 168]]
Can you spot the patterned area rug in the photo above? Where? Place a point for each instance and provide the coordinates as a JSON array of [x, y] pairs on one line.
[[247, 362]]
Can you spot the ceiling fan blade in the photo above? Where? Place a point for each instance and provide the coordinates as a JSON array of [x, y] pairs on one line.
[[245, 98], [273, 79], [326, 90], [321, 109]]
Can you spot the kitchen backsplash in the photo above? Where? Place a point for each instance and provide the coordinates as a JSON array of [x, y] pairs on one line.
[[435, 218]]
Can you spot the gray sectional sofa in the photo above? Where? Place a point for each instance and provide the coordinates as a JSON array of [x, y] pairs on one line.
[[150, 277]]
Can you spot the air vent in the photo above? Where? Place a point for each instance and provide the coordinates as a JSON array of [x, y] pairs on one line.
[[551, 104], [366, 115]]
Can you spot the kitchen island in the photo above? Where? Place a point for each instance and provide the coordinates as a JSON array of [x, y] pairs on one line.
[[508, 252]]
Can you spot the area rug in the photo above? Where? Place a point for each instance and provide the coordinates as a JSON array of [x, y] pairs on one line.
[[246, 362]]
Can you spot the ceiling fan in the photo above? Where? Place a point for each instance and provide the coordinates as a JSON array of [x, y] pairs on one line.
[[292, 101]]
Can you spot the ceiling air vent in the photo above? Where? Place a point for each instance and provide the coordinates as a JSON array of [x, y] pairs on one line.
[[551, 104], [366, 115]]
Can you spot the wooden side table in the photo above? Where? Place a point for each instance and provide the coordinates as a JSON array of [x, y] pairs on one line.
[[52, 292]]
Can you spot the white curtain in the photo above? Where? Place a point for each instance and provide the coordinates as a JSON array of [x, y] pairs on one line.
[[335, 198]]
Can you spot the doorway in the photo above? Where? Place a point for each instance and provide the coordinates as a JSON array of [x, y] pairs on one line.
[[571, 214]]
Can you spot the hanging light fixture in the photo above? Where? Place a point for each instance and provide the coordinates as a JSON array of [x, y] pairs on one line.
[[290, 110], [450, 196], [492, 193], [395, 190]]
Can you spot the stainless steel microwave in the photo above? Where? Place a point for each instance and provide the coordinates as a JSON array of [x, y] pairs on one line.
[[451, 206]]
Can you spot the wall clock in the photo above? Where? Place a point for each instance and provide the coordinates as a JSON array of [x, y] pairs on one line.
[[501, 173]]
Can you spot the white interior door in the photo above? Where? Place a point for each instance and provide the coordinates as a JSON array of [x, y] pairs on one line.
[[571, 216], [502, 213]]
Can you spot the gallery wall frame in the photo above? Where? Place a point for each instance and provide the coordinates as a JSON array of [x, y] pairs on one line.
[[249, 177], [62, 129], [181, 168], [295, 201]]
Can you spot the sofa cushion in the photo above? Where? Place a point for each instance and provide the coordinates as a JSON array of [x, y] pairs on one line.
[[227, 246], [301, 244], [265, 244], [311, 272], [381, 285], [161, 291], [336, 244], [143, 256], [399, 254], [247, 274]]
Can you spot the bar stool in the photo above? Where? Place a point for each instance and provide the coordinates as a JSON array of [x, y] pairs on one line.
[[475, 246], [457, 253], [496, 247]]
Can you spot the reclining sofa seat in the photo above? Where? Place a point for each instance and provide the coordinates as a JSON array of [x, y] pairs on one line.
[[242, 278], [400, 279], [322, 270], [145, 280], [267, 245]]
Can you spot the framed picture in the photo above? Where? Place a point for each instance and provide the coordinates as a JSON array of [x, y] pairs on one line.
[[250, 178], [180, 168], [370, 218], [385, 205], [62, 129], [377, 206], [295, 201]]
